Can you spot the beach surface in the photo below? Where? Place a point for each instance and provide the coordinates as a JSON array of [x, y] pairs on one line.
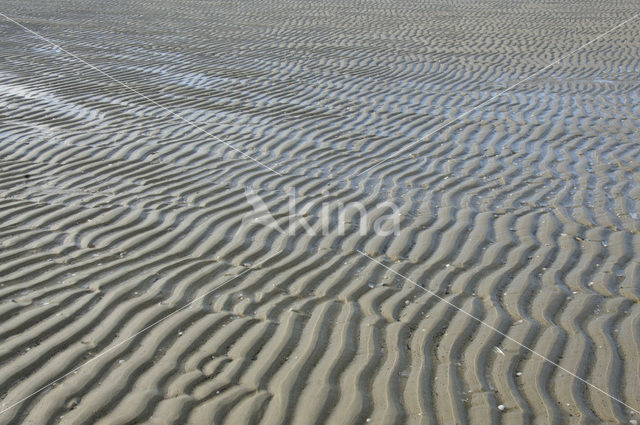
[[176, 242]]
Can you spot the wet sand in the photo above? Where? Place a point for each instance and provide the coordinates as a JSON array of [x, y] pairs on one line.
[[115, 214]]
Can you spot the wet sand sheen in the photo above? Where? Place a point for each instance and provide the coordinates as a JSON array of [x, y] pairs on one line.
[[113, 214]]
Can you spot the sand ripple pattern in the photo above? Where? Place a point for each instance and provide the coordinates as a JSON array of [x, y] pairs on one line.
[[113, 214]]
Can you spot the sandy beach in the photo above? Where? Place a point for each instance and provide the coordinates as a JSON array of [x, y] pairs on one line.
[[189, 195]]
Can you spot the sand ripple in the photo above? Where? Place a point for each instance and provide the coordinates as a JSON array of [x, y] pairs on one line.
[[113, 214]]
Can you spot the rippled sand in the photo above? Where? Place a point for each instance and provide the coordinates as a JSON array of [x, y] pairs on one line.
[[114, 213]]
